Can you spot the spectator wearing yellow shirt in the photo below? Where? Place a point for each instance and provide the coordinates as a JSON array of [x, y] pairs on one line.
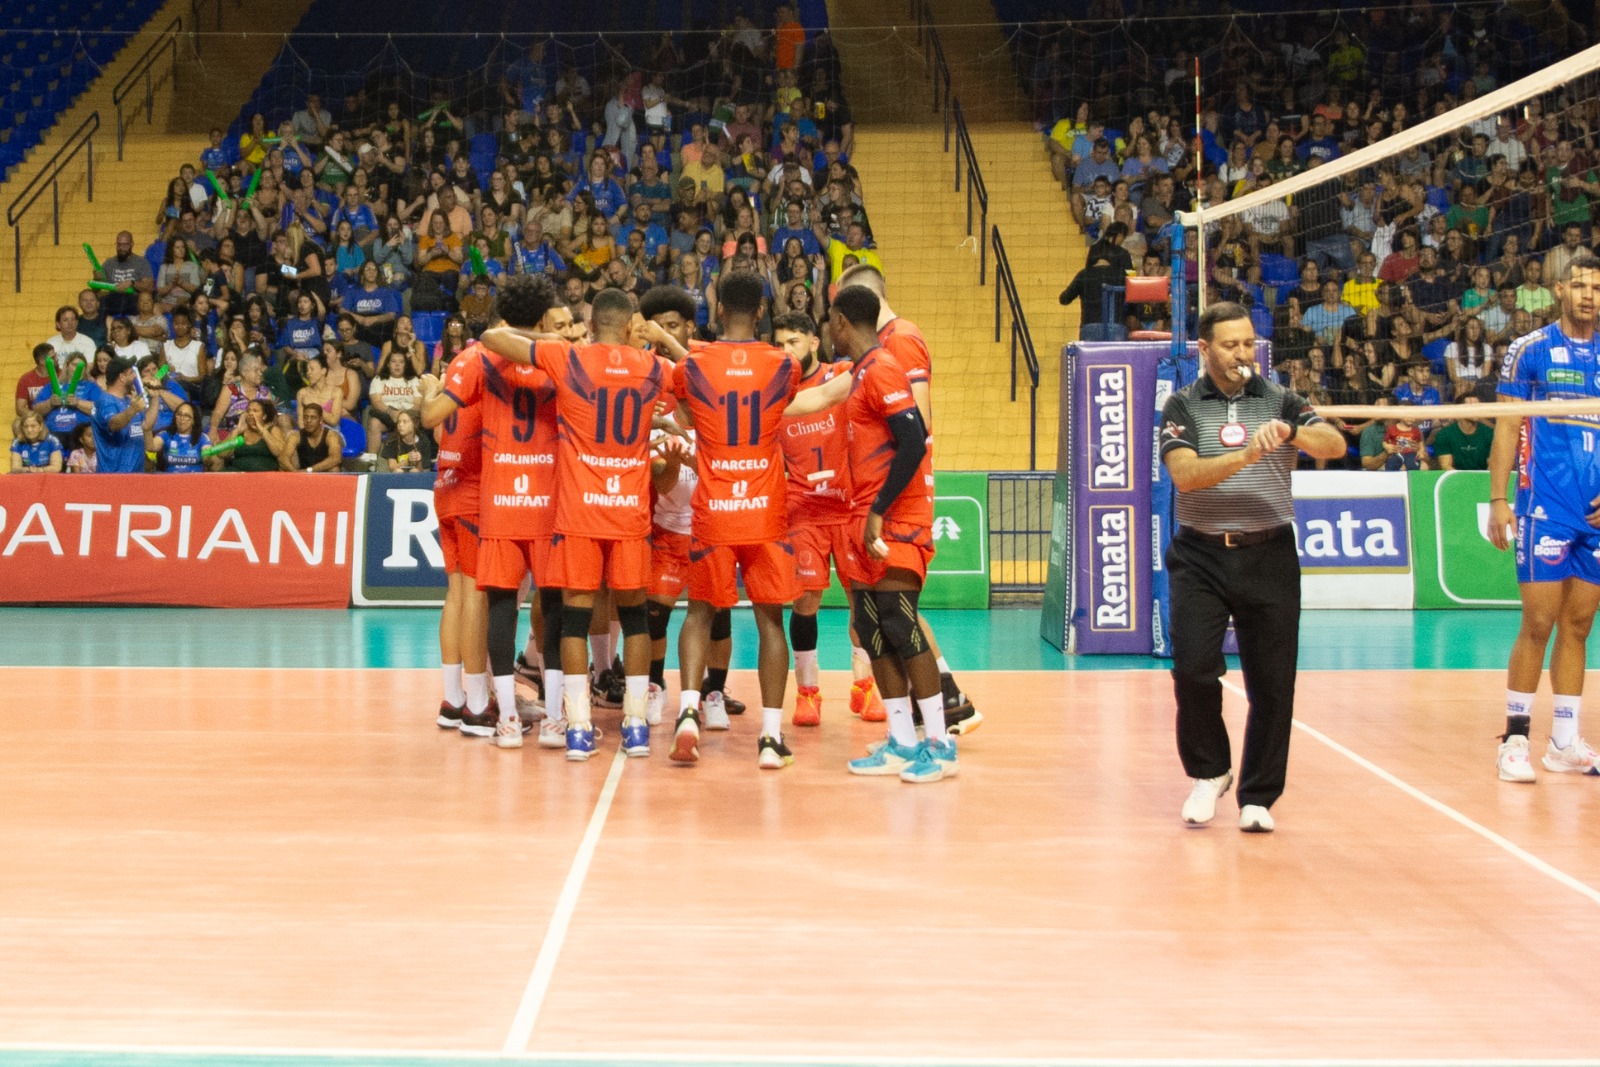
[[853, 246], [707, 175], [1062, 137], [1361, 291]]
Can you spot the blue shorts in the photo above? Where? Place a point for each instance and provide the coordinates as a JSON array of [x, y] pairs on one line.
[[1549, 551]]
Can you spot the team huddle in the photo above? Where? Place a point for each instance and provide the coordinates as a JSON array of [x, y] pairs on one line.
[[613, 466]]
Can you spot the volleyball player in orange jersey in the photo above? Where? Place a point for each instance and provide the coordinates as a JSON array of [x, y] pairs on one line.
[[734, 391], [606, 394], [517, 483], [886, 558], [816, 453], [903, 340], [463, 637]]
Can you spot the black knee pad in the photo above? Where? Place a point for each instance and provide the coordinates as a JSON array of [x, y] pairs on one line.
[[802, 632], [659, 615], [550, 604], [634, 620], [575, 622], [869, 631], [722, 624], [898, 623], [502, 631]]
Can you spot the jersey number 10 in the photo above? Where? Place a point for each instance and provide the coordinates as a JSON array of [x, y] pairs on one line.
[[624, 414]]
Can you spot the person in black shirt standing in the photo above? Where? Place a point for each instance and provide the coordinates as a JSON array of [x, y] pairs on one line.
[[1222, 439]]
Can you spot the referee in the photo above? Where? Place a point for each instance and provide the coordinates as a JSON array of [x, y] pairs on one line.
[[1234, 555]]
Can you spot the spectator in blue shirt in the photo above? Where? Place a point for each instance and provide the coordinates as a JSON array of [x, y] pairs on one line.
[[527, 82], [373, 307], [215, 157], [118, 440], [177, 449], [794, 226], [1321, 144], [1418, 389], [300, 337], [535, 255], [164, 393], [1327, 319], [1098, 165], [655, 235], [35, 451], [608, 195], [362, 221]]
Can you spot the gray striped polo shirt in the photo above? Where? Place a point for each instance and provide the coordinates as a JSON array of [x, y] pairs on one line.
[[1201, 418]]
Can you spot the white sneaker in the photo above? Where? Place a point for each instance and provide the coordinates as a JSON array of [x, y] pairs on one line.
[[1201, 807], [1577, 757], [1254, 819], [655, 704], [508, 733], [1512, 761], [714, 713], [553, 733]]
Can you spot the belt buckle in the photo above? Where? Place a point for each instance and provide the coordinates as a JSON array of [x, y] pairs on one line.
[[1229, 542]]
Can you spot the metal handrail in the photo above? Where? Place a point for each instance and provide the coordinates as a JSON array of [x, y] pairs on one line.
[[1021, 337], [975, 186], [80, 139], [143, 66]]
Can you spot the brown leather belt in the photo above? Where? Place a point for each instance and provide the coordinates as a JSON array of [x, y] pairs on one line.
[[1235, 540]]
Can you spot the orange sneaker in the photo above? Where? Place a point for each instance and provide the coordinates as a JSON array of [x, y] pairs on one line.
[[865, 701], [808, 706]]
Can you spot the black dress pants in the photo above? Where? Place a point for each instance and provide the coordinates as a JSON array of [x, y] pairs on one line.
[[1259, 586]]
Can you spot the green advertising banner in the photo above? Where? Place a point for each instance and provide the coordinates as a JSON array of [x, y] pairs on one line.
[[1454, 564], [958, 577]]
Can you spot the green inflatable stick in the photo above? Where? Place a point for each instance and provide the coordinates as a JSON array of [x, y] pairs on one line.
[[94, 260], [225, 446], [55, 382], [77, 376], [107, 287], [216, 184], [477, 262]]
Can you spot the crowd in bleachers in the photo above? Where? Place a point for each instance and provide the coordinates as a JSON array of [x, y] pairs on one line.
[[1402, 282], [310, 269]]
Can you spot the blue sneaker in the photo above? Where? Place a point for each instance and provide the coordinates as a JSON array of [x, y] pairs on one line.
[[935, 760], [581, 741], [635, 737], [887, 760]]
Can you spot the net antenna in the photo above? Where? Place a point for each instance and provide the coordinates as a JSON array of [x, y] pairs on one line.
[[1199, 197], [1555, 77]]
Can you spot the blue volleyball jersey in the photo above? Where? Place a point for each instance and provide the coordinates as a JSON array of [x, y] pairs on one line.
[[37, 453], [1558, 473], [183, 455]]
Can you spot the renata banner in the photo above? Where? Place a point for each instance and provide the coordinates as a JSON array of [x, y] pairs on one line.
[[201, 540]]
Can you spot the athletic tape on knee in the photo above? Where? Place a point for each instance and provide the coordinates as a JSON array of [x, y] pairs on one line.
[[722, 625], [868, 629], [502, 631], [575, 622], [634, 620], [659, 614], [897, 622], [802, 632]]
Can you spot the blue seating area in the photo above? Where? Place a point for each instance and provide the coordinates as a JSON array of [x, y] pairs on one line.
[[50, 50]]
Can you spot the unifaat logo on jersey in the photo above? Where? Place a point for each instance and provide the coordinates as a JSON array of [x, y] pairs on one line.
[[112, 538]]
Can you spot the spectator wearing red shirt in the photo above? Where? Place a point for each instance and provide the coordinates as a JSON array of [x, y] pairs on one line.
[[32, 386]]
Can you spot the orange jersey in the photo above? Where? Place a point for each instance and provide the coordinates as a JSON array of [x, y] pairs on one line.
[[817, 455], [517, 410], [736, 392], [455, 489], [605, 396], [880, 391], [907, 345]]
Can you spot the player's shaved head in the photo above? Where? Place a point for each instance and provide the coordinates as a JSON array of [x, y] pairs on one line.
[[864, 274], [661, 299], [613, 308], [740, 293], [524, 299], [858, 305]]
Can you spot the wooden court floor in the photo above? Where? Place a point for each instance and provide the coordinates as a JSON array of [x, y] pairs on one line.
[[242, 861]]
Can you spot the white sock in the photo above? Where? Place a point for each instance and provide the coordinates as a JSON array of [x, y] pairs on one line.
[[451, 673], [932, 709], [1518, 704], [576, 704], [805, 669], [635, 694], [944, 665], [689, 698], [1564, 727], [505, 691], [860, 665], [477, 692], [901, 728], [772, 723], [554, 687]]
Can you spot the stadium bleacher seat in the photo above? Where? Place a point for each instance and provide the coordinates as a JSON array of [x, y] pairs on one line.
[[429, 326]]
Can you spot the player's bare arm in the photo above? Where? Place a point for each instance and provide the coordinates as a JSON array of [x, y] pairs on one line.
[[436, 404], [514, 344], [833, 392]]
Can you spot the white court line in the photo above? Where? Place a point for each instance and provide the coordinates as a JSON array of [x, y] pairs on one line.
[[555, 935], [424, 1055], [1446, 810]]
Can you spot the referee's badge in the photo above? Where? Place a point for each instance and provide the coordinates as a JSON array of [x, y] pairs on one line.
[[1232, 434]]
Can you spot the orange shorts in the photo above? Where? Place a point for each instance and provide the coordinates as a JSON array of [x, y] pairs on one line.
[[768, 570], [910, 549], [458, 538], [812, 547], [584, 564], [503, 563], [669, 563]]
